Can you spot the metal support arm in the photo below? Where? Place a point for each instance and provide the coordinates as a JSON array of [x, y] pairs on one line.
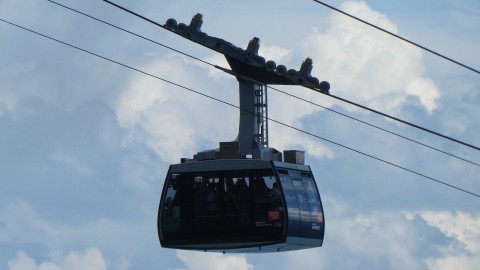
[[248, 62]]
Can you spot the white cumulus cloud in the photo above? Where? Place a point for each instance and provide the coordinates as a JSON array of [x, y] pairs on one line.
[[366, 65], [465, 227], [90, 258], [213, 261], [156, 113]]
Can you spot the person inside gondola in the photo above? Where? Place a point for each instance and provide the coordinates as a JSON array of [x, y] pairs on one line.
[[274, 192], [211, 204], [242, 201], [261, 199], [276, 208]]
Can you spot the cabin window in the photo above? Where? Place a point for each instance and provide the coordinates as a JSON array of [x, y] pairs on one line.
[[305, 214], [314, 203], [237, 201], [172, 206], [245, 203], [269, 210], [207, 190]]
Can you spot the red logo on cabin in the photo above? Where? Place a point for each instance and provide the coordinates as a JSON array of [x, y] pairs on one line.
[[274, 215]]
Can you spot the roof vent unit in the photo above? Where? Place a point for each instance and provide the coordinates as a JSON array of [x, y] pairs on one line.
[[230, 146], [229, 150], [294, 156]]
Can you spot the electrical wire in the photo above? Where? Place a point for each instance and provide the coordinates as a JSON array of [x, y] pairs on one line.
[[336, 97], [273, 88], [399, 37], [238, 107]]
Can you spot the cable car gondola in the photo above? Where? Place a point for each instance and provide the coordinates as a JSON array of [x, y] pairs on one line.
[[242, 204], [244, 196]]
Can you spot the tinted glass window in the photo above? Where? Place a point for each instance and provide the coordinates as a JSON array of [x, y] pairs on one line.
[[292, 206], [269, 210], [175, 210], [304, 208], [314, 203], [302, 203], [171, 205], [220, 206], [207, 198], [237, 201]]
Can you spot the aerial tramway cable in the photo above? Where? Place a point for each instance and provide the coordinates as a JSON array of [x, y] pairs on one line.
[[333, 96], [235, 106], [278, 90], [399, 37]]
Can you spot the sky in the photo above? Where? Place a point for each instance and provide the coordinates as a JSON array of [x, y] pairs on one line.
[[85, 144]]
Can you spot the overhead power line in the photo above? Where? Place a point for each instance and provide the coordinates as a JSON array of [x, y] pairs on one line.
[[235, 106], [399, 37], [278, 90]]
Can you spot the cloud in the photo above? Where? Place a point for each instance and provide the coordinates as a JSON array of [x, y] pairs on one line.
[[426, 90], [368, 66], [285, 138], [172, 121], [275, 53], [463, 252], [155, 114], [463, 262], [464, 227], [215, 261], [89, 258], [25, 227], [380, 239]]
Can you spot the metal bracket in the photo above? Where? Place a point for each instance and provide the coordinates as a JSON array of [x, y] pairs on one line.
[[247, 62]]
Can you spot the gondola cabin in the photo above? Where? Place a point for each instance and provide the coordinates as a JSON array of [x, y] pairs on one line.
[[246, 206], [243, 196]]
